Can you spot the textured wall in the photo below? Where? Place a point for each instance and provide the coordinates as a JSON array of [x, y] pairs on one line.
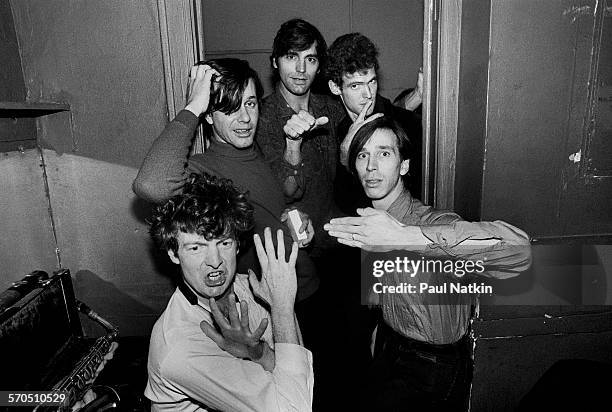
[[104, 59]]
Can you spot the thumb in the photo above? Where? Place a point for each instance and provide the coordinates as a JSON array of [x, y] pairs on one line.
[[253, 278], [321, 121], [210, 331], [368, 211]]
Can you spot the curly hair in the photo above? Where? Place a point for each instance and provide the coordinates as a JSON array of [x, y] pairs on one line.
[[228, 88], [209, 206], [348, 54], [367, 130], [298, 35]]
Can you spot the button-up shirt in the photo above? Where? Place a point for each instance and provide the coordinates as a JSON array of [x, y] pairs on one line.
[[189, 372]]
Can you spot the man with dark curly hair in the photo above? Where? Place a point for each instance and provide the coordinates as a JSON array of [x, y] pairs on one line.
[[230, 366], [352, 74]]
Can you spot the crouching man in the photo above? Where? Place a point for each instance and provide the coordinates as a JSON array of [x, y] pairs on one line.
[[216, 347]]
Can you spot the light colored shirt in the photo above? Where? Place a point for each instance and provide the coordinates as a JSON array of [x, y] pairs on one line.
[[444, 318], [189, 372]]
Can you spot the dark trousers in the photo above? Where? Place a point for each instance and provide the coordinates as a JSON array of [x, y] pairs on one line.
[[410, 375]]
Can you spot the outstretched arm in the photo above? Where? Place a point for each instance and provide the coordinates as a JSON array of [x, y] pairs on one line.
[[505, 248]]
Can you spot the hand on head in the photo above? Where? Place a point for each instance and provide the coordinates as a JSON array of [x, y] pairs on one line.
[[357, 124], [200, 82]]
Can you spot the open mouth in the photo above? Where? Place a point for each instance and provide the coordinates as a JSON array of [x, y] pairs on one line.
[[243, 132], [215, 278]]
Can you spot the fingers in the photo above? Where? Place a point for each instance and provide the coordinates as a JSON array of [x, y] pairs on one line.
[[293, 255], [368, 211], [347, 220], [244, 315], [352, 243], [323, 120], [305, 221], [232, 312], [280, 239], [373, 117], [260, 329], [217, 315], [284, 216], [364, 112], [210, 331], [301, 123], [269, 245], [261, 253]]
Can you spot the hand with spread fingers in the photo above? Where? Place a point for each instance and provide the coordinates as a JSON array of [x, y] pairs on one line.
[[357, 124], [235, 335], [277, 272], [375, 230], [200, 82]]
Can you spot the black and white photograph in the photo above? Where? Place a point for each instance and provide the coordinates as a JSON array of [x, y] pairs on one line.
[[282, 205]]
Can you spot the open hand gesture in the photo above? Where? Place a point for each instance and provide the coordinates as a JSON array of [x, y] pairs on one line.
[[235, 334]]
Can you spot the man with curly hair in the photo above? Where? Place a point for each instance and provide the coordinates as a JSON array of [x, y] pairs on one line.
[[204, 353], [352, 73]]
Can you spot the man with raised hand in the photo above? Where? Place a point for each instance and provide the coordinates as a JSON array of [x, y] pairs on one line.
[[352, 73], [225, 93], [424, 357], [204, 353]]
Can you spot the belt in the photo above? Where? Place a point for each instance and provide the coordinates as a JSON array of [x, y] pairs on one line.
[[392, 338]]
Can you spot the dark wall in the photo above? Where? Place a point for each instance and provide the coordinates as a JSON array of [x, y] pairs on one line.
[[471, 133]]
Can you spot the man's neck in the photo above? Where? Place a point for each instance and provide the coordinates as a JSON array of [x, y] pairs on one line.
[[386, 202], [294, 101]]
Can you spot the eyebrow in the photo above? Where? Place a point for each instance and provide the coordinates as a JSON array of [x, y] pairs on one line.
[[363, 149], [315, 54]]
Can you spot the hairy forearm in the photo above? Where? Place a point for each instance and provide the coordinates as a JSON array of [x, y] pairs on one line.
[[284, 326]]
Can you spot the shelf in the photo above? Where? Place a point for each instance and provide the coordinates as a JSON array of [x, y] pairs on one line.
[[28, 109]]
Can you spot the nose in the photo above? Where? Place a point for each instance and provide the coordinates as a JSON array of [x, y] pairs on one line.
[[244, 115], [300, 66], [372, 164], [367, 92], [213, 258]]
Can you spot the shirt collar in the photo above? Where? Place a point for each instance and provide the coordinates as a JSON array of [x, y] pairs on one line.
[[402, 206]]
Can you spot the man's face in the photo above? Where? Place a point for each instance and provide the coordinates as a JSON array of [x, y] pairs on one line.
[[297, 70], [357, 90], [208, 266], [238, 128], [380, 167]]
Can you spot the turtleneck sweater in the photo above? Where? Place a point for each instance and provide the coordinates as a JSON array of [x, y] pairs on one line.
[[168, 165]]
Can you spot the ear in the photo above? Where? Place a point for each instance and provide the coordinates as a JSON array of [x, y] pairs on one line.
[[274, 64], [208, 118], [173, 257], [404, 167], [333, 87]]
